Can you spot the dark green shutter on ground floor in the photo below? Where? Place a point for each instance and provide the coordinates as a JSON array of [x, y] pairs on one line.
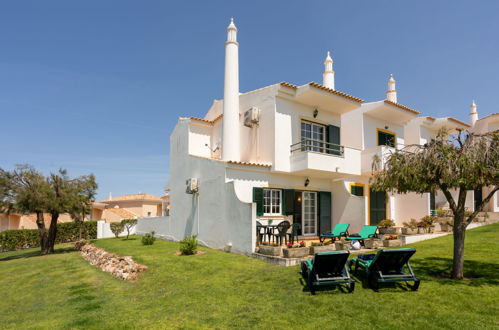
[[325, 209], [258, 199], [288, 202], [377, 206]]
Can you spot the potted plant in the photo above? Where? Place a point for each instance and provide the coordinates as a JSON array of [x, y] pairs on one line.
[[342, 245], [295, 250], [386, 226], [372, 243], [428, 221], [270, 249], [447, 225], [410, 228], [391, 241], [320, 247]]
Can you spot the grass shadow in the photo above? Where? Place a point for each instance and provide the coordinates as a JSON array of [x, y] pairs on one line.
[[476, 272], [37, 253]]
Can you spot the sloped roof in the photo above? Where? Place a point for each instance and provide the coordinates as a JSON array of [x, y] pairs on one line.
[[132, 197], [248, 163], [403, 107], [125, 214]]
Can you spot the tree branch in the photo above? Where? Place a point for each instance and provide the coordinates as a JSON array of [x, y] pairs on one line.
[[481, 205]]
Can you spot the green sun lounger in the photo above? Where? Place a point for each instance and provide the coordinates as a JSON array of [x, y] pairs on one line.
[[327, 268], [388, 265], [341, 229], [365, 233]]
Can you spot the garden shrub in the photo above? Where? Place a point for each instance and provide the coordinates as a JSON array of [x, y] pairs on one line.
[[189, 245], [148, 239], [412, 224], [386, 223], [128, 223], [66, 232], [117, 228]]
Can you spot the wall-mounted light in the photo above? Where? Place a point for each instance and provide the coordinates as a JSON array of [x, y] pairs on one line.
[[386, 126], [316, 112], [307, 181]]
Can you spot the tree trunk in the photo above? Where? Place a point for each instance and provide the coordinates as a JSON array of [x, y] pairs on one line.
[[49, 247], [459, 232], [42, 231]]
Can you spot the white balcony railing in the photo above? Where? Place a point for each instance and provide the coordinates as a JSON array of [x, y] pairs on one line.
[[325, 159]]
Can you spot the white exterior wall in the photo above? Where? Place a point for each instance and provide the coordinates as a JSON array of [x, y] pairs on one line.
[[370, 131], [410, 206], [348, 208], [214, 214], [104, 230], [255, 142]]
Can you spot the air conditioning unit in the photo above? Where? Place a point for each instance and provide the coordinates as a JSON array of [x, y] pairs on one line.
[[252, 117], [192, 186]]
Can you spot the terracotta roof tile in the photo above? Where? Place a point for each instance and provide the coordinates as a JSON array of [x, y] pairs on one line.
[[403, 107], [131, 197], [211, 122], [458, 121], [285, 84], [248, 164], [332, 91], [125, 214]]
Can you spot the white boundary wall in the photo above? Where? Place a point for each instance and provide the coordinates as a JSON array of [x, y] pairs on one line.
[[104, 230]]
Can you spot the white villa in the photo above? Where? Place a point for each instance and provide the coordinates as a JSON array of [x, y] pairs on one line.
[[297, 152]]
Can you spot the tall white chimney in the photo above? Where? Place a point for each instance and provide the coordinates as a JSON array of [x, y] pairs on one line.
[[328, 75], [391, 94], [230, 124], [473, 114]]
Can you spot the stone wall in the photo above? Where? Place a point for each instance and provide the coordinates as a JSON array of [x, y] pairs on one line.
[[121, 267]]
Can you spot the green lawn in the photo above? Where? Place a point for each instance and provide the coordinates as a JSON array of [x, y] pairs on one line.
[[220, 290]]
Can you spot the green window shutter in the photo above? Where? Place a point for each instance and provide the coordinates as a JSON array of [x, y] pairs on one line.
[[258, 199], [325, 208], [333, 136], [288, 201]]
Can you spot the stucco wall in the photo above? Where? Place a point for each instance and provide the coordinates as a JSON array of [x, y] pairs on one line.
[[370, 132], [411, 205]]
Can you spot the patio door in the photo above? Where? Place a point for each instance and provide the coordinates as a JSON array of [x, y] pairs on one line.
[[309, 213], [377, 206]]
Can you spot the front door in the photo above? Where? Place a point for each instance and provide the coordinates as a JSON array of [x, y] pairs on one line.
[[309, 213], [377, 206]]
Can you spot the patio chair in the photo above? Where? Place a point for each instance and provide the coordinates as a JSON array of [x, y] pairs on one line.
[[365, 233], [293, 233], [387, 266], [341, 229], [327, 268], [261, 232], [282, 229]]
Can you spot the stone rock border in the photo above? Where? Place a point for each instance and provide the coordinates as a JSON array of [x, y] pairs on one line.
[[121, 267]]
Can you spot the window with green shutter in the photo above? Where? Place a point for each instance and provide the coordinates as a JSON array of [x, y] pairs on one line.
[[357, 189], [386, 138]]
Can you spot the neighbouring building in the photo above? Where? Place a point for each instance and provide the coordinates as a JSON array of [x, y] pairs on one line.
[[129, 206], [297, 152], [110, 210]]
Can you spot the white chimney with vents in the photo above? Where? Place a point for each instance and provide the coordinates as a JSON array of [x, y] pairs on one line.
[[230, 124], [328, 75], [391, 94], [473, 114]]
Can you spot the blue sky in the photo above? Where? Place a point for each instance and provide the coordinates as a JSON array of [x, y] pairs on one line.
[[97, 86]]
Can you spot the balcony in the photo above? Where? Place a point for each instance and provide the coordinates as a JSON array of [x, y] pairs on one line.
[[383, 152], [323, 159]]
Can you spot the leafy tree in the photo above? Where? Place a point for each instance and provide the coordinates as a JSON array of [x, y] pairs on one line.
[[461, 162], [26, 191], [129, 224], [117, 228]]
